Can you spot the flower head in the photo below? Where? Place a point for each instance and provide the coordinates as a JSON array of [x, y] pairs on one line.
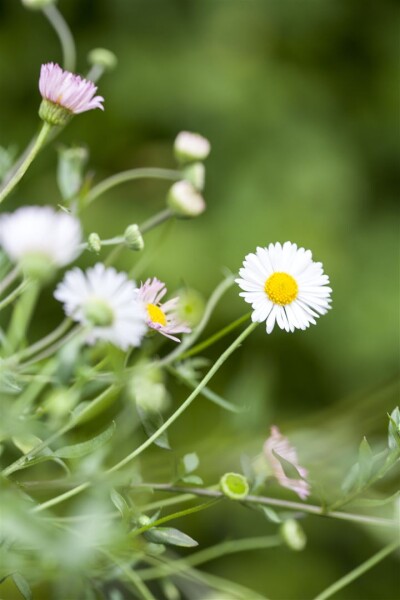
[[161, 317], [40, 233], [106, 301], [185, 201], [284, 285], [279, 445], [190, 146], [64, 93]]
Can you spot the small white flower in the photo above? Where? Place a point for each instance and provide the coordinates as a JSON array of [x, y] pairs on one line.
[[42, 232], [106, 300], [284, 285], [280, 445], [191, 146], [72, 92], [164, 318]]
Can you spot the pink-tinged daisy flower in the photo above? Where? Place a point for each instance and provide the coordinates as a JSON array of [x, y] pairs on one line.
[[284, 286], [161, 317], [106, 302], [278, 444], [63, 91]]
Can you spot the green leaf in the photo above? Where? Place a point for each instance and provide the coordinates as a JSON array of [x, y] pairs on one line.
[[373, 502], [192, 479], [170, 536], [350, 479], [271, 514], [394, 429], [152, 421], [78, 450], [71, 162], [22, 585], [190, 462], [365, 462], [120, 504], [289, 469]]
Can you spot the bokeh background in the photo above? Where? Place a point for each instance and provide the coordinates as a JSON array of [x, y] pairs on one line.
[[300, 102]]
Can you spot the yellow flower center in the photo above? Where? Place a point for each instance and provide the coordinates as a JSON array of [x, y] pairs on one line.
[[281, 288], [156, 315]]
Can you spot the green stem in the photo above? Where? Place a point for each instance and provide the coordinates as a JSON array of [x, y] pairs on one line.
[[265, 500], [357, 572], [23, 167], [64, 34], [9, 279], [46, 341], [22, 315], [191, 338], [50, 350], [14, 294], [130, 175], [230, 547], [235, 344], [156, 220]]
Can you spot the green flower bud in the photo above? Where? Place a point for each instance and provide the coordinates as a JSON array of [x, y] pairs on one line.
[[234, 486], [196, 174], [144, 520], [189, 147], [102, 57], [94, 242], [293, 534], [99, 313], [37, 4], [53, 113], [185, 201], [133, 238]]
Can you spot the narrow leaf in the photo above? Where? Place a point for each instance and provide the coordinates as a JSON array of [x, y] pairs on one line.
[[394, 429], [22, 585], [271, 514], [170, 536], [78, 450], [120, 504], [365, 462], [152, 421], [289, 469]]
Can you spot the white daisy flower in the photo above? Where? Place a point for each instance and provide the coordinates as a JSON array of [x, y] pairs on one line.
[[284, 285], [105, 300], [40, 232], [164, 318], [278, 444]]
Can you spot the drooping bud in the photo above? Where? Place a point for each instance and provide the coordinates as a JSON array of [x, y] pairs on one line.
[[133, 237], [185, 201], [234, 485], [196, 174], [94, 243], [293, 534], [37, 4], [189, 147], [103, 58]]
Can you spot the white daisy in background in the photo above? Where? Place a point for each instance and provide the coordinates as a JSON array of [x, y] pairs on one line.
[[39, 235], [106, 301], [284, 285], [164, 318], [278, 444]]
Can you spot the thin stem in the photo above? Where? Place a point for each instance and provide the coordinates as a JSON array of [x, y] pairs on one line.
[[46, 341], [224, 356], [286, 504], [130, 175], [358, 571], [9, 279], [156, 220], [23, 167], [161, 429], [22, 314], [229, 547], [191, 338], [14, 294], [61, 28], [50, 350]]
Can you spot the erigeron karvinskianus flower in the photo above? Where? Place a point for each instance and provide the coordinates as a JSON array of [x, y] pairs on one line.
[[163, 318], [284, 286], [106, 302], [40, 239], [277, 446], [190, 147], [65, 94]]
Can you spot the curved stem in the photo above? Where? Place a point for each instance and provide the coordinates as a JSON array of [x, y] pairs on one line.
[[46, 341], [64, 34], [14, 294], [22, 314], [358, 571], [23, 167], [9, 278], [130, 175]]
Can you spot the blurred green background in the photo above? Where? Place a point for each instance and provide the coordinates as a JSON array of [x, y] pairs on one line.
[[300, 102]]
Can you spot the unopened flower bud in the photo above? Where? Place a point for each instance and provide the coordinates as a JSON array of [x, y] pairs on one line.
[[293, 534], [94, 243], [196, 174], [234, 486], [133, 238], [144, 520], [103, 58], [185, 201], [189, 147], [53, 113], [37, 4]]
